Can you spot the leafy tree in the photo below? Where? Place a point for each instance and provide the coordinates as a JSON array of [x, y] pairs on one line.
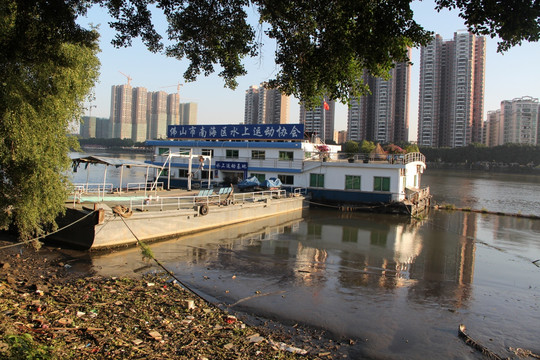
[[322, 47], [367, 146], [411, 148], [351, 147], [47, 67]]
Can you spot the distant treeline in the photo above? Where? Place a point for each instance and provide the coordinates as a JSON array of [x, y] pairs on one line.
[[111, 143], [476, 153]]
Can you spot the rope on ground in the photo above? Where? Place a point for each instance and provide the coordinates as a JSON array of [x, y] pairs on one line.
[[469, 341], [256, 296], [48, 234], [170, 273]]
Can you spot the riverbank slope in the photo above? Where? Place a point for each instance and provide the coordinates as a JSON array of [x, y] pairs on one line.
[[48, 311]]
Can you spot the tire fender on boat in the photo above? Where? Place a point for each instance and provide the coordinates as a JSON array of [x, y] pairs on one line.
[[203, 209]]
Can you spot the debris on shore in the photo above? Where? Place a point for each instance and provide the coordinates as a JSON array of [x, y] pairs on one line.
[[49, 316]]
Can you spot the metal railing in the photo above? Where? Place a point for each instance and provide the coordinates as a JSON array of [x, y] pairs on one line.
[[380, 158], [93, 187], [266, 163], [189, 202], [144, 186]]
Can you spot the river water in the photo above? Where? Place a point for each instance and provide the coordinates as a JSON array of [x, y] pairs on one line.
[[397, 288]]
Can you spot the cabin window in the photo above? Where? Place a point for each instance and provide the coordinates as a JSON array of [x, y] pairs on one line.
[[260, 177], [204, 174], [381, 183], [164, 172], [352, 182], [162, 151], [316, 180], [231, 154], [258, 154], [207, 152], [183, 173], [184, 151], [286, 155], [286, 179]]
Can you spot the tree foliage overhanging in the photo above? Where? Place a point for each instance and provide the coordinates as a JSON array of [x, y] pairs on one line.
[[322, 47], [48, 65]]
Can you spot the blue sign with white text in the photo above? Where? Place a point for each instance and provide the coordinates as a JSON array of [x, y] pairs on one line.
[[237, 132], [230, 165]]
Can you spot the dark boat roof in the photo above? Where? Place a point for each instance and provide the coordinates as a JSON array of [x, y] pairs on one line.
[[111, 162]]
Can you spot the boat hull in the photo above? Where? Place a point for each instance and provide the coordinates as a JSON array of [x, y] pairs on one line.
[[112, 230]]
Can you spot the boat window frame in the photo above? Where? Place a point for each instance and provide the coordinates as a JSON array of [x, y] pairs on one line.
[[286, 156], [260, 176], [359, 177], [232, 153], [182, 172], [316, 180], [207, 152], [284, 179], [258, 155], [379, 183]]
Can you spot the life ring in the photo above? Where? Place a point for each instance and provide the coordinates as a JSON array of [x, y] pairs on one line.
[[203, 210]]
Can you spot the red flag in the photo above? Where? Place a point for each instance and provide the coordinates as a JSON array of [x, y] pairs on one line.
[[326, 106]]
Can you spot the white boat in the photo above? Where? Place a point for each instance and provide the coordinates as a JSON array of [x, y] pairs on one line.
[[389, 183], [100, 216]]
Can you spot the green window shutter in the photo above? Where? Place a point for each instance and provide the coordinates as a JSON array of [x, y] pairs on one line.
[[386, 184], [377, 183], [316, 180]]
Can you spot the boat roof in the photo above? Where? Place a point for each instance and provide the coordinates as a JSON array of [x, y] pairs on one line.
[[111, 161]]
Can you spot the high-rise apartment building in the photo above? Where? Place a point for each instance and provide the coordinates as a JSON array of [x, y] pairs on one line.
[[451, 101], [319, 120], [173, 109], [157, 115], [383, 115], [492, 129], [139, 115], [121, 108], [266, 106], [94, 127], [519, 120], [188, 113]]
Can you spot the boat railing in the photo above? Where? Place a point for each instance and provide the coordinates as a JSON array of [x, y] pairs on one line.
[[92, 187], [399, 159], [189, 202], [267, 162], [145, 186], [418, 195]]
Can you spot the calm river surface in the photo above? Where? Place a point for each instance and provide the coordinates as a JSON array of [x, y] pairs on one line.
[[398, 287]]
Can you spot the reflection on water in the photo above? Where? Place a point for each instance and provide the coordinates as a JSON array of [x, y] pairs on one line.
[[398, 287], [510, 193]]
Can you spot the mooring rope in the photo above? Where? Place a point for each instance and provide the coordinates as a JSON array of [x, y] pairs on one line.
[[170, 273], [49, 234]]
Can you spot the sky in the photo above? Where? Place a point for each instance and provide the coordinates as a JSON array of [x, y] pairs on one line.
[[510, 75]]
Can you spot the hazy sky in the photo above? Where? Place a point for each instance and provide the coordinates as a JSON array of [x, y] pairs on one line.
[[514, 74]]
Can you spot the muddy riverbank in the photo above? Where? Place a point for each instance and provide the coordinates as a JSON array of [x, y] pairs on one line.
[[51, 311]]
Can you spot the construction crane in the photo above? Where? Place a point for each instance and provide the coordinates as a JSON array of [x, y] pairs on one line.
[[177, 88], [127, 76]]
